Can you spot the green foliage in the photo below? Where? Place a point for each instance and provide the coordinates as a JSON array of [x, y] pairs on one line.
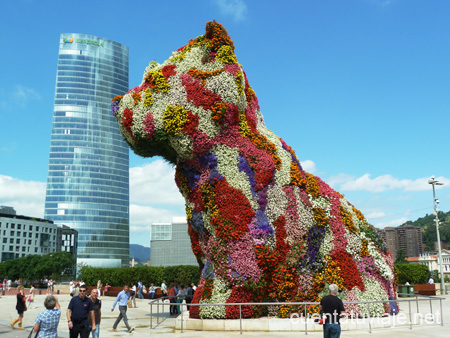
[[183, 274], [401, 257], [34, 267], [428, 226], [412, 273], [374, 235]]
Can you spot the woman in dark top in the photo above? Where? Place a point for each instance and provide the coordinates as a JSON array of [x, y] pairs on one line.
[[20, 307]]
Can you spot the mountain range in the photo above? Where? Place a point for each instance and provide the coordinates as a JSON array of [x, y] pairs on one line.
[[139, 252]]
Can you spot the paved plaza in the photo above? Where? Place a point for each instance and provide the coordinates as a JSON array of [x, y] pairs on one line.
[[139, 318]]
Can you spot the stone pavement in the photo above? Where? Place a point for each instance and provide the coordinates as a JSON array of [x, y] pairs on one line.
[[140, 319]]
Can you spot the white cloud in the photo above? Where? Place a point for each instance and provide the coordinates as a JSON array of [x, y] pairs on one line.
[[17, 96], [382, 3], [26, 197], [154, 184], [141, 217], [393, 223], [309, 166], [344, 182], [375, 214], [23, 93], [235, 8]]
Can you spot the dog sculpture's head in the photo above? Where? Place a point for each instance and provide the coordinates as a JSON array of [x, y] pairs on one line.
[[198, 93]]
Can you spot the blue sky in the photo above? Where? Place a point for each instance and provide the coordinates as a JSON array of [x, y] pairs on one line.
[[359, 88]]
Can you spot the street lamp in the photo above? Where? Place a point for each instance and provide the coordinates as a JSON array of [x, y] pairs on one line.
[[434, 182]]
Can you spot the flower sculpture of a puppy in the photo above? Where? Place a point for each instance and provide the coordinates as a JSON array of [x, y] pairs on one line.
[[261, 227]]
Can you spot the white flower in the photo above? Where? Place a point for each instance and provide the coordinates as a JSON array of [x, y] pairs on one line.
[[228, 166], [276, 203], [220, 294], [374, 291], [327, 244], [354, 244]]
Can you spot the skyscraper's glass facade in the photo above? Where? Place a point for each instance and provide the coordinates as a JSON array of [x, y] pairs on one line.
[[88, 174]]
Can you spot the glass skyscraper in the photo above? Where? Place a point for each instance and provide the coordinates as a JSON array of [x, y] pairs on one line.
[[88, 173]]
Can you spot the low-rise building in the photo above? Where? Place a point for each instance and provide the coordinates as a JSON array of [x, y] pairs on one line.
[[431, 260], [23, 235], [170, 244]]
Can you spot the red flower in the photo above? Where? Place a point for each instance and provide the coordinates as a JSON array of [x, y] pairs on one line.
[[194, 311], [168, 71], [127, 119], [240, 295], [349, 271], [235, 211]]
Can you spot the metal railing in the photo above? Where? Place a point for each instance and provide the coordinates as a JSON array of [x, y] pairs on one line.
[[304, 305]]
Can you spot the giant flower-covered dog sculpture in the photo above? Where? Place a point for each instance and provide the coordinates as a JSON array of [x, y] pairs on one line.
[[261, 227]]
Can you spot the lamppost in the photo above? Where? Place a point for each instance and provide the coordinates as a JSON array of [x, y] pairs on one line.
[[434, 182]]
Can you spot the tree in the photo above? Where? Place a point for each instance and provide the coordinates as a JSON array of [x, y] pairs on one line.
[[55, 263], [401, 257], [412, 273]]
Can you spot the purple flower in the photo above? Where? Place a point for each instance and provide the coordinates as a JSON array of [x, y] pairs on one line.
[[197, 222], [314, 237], [114, 107], [243, 166], [262, 223], [208, 270]]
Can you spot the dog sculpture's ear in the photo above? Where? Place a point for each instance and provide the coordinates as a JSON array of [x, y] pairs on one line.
[[217, 35]]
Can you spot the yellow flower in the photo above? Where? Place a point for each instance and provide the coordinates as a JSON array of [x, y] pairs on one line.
[[226, 55], [174, 119]]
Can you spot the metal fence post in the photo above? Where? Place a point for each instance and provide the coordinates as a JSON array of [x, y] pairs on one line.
[[157, 313], [151, 315], [417, 303], [410, 320], [181, 310], [442, 314], [368, 316], [240, 317], [306, 322]]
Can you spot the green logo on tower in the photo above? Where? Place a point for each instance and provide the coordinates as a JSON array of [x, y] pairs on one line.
[[83, 41]]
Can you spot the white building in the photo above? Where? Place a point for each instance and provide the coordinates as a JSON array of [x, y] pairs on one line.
[[170, 244], [23, 235], [431, 260]]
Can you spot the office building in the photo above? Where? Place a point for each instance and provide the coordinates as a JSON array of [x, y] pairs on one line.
[[24, 235], [88, 173], [170, 244]]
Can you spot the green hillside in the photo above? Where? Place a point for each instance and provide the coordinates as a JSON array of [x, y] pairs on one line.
[[428, 225]]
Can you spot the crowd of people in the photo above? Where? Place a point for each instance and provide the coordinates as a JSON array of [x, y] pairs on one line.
[[84, 312]]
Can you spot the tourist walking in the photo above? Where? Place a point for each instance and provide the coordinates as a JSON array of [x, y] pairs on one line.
[[50, 287], [46, 323], [141, 289], [97, 313], [80, 308], [332, 308], [122, 299], [173, 299], [99, 287], [181, 295], [71, 287], [30, 298], [189, 296], [133, 296], [20, 307], [76, 290]]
